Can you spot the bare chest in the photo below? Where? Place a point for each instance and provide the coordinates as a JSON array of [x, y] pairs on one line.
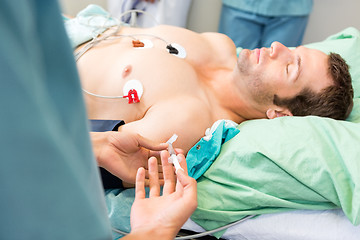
[[161, 77]]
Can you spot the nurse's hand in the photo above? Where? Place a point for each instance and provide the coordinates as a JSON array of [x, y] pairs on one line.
[[161, 217], [123, 153]]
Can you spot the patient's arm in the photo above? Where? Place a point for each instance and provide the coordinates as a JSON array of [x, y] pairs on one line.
[[184, 116]]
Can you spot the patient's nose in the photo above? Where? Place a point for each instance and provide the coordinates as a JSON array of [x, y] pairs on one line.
[[278, 50]]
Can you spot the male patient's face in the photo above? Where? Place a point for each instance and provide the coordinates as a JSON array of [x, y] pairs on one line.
[[278, 70]]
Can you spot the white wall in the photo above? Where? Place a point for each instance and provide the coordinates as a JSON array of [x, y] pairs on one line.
[[204, 15], [328, 16], [331, 16], [72, 7]]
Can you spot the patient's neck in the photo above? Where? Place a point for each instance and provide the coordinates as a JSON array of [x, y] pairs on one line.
[[231, 102]]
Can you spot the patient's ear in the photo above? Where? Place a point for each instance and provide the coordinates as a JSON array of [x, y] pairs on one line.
[[272, 113]]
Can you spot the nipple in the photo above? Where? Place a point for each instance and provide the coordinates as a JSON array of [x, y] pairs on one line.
[[126, 71]]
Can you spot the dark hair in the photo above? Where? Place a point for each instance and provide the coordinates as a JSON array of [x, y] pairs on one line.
[[335, 101]]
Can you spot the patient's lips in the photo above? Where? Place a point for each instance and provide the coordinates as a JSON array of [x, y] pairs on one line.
[[257, 54], [126, 71]]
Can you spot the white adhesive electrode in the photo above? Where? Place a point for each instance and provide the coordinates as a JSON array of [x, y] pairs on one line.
[[133, 84], [147, 44], [173, 158], [181, 52]]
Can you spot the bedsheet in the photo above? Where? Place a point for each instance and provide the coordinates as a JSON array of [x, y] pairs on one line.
[[294, 225]]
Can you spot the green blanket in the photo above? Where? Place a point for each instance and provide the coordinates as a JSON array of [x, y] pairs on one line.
[[289, 162]]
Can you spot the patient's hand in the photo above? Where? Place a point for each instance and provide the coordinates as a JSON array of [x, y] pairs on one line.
[[122, 153]]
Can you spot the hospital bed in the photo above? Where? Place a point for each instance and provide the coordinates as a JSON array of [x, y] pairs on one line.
[[297, 177], [294, 225]]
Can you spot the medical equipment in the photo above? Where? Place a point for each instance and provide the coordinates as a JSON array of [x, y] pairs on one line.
[[132, 90], [177, 50], [173, 48], [173, 158], [135, 91]]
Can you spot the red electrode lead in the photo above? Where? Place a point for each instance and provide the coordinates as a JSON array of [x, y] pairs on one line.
[[133, 96]]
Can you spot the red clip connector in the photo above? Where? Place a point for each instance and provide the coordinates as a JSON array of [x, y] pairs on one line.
[[138, 43], [133, 96]]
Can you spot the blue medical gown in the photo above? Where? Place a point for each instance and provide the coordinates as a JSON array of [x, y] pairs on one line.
[[49, 181]]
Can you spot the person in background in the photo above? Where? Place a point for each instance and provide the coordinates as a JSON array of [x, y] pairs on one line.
[[169, 12], [257, 23]]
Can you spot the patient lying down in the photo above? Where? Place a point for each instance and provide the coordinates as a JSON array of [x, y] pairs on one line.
[[186, 81]]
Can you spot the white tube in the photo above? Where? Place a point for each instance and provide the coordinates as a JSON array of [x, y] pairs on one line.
[[173, 158], [175, 161]]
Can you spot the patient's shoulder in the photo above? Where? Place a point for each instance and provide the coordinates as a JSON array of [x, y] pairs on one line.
[[215, 36], [221, 45]]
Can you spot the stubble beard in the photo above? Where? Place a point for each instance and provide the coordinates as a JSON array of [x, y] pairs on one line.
[[260, 91]]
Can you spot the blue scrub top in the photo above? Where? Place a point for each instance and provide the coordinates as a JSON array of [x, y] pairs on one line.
[[273, 8], [49, 180]]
